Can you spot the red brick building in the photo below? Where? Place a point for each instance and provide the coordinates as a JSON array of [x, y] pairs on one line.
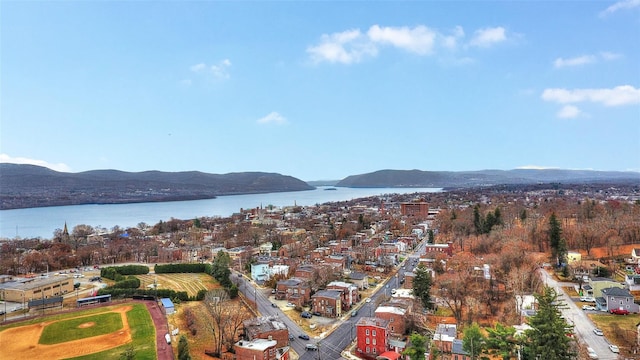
[[294, 290], [372, 337], [262, 349], [419, 209], [269, 328], [395, 312]]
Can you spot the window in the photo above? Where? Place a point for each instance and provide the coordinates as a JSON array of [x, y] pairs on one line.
[[366, 332], [367, 341], [374, 350], [373, 333], [374, 341], [368, 351]]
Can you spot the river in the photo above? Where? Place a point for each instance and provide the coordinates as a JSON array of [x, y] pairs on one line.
[[42, 222]]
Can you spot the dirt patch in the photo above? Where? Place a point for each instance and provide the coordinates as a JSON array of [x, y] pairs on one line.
[[86, 325], [22, 342]]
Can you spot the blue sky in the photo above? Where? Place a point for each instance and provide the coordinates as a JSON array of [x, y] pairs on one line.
[[320, 90]]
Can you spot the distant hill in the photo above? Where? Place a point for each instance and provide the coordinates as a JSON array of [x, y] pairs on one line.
[[449, 179], [24, 186]]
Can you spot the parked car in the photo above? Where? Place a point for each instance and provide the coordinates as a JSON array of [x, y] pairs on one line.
[[354, 313], [588, 307], [317, 313], [598, 332], [290, 305], [291, 337], [274, 305], [614, 348], [273, 291], [588, 299], [368, 300], [306, 315], [619, 311], [304, 336], [592, 353]]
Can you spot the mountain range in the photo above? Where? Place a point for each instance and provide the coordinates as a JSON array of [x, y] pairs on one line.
[[26, 186]]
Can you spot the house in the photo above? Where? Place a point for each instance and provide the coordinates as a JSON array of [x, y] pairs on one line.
[[617, 298], [444, 336], [433, 249], [294, 290], [633, 282], [168, 306], [408, 280], [305, 272], [395, 312], [327, 302], [458, 353], [371, 335], [635, 255], [418, 209], [269, 328], [599, 283], [262, 349], [361, 280], [349, 293]]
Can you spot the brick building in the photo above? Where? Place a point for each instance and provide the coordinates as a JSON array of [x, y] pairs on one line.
[[327, 302], [372, 336], [269, 328]]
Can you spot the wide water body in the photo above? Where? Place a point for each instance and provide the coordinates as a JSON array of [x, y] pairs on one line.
[[42, 222]]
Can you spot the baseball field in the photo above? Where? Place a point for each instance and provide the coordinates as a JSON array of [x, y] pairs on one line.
[[97, 333]]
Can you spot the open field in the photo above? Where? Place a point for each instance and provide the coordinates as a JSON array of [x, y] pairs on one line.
[[191, 283], [79, 335], [619, 329]]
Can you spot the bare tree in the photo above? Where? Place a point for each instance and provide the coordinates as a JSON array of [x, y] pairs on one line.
[[216, 301]]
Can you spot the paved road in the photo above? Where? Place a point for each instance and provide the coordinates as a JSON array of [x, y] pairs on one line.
[[583, 326]]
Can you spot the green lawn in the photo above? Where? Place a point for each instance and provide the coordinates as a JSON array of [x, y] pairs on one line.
[[68, 330]]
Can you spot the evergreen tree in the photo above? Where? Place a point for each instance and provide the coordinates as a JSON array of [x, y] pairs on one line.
[[431, 237], [422, 286], [548, 337], [417, 348], [501, 341], [183, 349], [474, 341], [556, 242], [477, 220]]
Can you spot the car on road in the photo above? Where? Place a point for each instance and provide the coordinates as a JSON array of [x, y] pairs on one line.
[[589, 299], [614, 348], [354, 313], [588, 307], [304, 336], [306, 315], [311, 347], [619, 311], [291, 337], [592, 353], [598, 332], [274, 305], [368, 300]]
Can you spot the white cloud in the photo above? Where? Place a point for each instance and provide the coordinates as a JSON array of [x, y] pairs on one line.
[[488, 36], [586, 59], [576, 61], [419, 40], [219, 70], [198, 67], [273, 118], [451, 41], [606, 55], [569, 112], [345, 47], [620, 5], [617, 96], [5, 158]]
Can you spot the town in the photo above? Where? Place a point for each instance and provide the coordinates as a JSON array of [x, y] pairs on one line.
[[461, 274]]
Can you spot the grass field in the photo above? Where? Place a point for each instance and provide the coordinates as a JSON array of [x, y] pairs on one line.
[[191, 283], [80, 328], [74, 334]]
